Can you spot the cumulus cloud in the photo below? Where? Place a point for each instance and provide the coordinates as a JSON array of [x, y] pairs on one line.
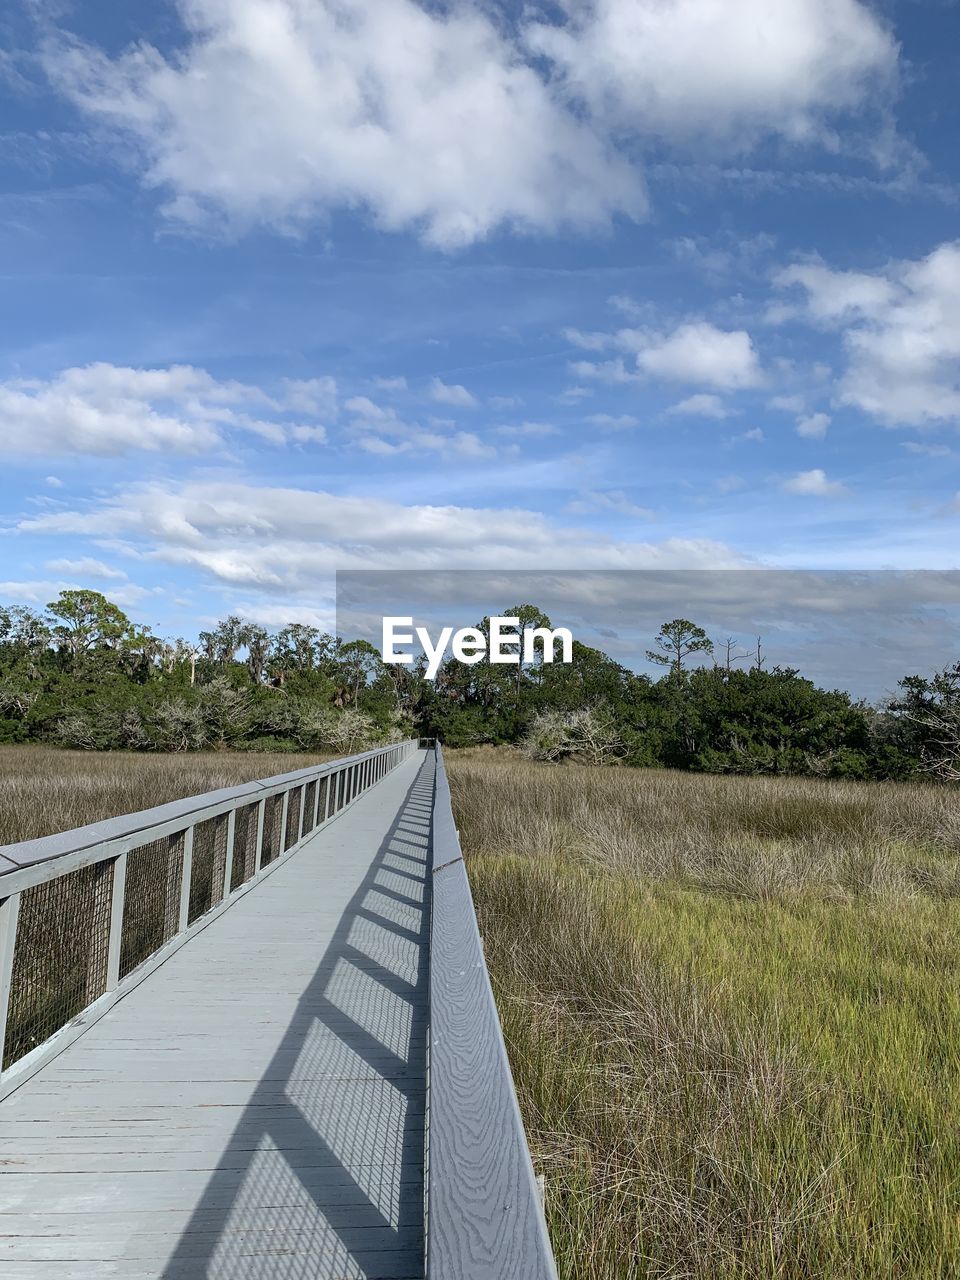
[[452, 393], [108, 410], [696, 353], [702, 405], [813, 426], [709, 69], [287, 540], [382, 432], [900, 328], [814, 484], [276, 111], [455, 122]]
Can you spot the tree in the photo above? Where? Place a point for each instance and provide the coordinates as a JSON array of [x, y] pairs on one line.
[[85, 621], [256, 640], [677, 640], [932, 708]]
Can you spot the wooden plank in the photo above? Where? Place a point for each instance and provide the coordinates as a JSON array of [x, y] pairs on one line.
[[484, 1215]]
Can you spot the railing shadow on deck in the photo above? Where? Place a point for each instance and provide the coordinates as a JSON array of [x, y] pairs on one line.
[[323, 1175]]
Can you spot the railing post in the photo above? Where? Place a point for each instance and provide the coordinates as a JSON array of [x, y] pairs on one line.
[[9, 915], [186, 876], [303, 799], [100, 918], [228, 855], [261, 811], [284, 810], [328, 796], [316, 804], [117, 895]]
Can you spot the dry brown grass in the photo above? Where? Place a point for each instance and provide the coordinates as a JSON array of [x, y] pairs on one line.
[[44, 790], [733, 1010]]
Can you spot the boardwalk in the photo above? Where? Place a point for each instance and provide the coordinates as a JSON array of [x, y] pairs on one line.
[[254, 1109]]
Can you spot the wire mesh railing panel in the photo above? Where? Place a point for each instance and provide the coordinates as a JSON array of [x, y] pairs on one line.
[[309, 804], [60, 961], [151, 900], [244, 845], [209, 861], [271, 829], [323, 785], [292, 832]]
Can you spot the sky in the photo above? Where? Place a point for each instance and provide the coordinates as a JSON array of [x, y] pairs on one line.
[[298, 286]]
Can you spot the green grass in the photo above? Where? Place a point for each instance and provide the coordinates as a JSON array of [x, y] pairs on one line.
[[733, 1012]]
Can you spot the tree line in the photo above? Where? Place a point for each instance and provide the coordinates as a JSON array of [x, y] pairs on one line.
[[83, 675]]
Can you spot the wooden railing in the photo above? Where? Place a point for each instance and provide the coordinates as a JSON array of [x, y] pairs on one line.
[[87, 914], [484, 1214]]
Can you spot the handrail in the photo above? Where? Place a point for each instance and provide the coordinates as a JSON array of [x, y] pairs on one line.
[[86, 914], [484, 1215]]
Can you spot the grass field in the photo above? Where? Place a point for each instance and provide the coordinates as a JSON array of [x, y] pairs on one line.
[[732, 1007], [43, 789]]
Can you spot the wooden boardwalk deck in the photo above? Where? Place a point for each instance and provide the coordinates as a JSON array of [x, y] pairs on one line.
[[254, 1109]]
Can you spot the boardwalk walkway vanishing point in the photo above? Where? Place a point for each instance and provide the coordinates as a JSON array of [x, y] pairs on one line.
[[250, 1036]]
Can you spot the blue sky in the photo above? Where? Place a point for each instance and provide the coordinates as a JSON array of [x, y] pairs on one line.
[[293, 286]]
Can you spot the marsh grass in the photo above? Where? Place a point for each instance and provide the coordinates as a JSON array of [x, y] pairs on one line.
[[44, 790], [732, 1008]]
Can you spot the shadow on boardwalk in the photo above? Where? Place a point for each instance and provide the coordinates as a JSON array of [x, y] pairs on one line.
[[323, 1176]]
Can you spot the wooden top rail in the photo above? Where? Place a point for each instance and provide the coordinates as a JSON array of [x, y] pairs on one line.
[[484, 1216], [24, 863]]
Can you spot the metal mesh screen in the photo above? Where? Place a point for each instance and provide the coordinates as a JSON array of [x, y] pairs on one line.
[[60, 962], [151, 901], [293, 818], [309, 801], [244, 845], [271, 829], [209, 861]]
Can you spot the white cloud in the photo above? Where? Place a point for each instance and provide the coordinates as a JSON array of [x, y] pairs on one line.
[[84, 568], [384, 433], [900, 328], [697, 353], [398, 383], [814, 484], [288, 540], [108, 410], [613, 421], [813, 426], [451, 393], [314, 396], [526, 430], [54, 482], [702, 405], [927, 450], [455, 122], [610, 500], [721, 72], [753, 436], [276, 111]]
